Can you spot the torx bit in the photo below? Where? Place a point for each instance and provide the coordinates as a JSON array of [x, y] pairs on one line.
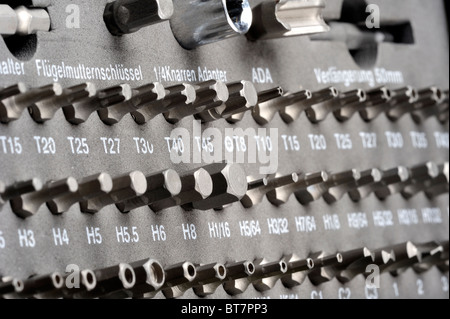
[[141, 97], [297, 270], [150, 277], [124, 187], [12, 107], [402, 100], [267, 273], [281, 195], [324, 267], [88, 188], [257, 189], [364, 186], [176, 96], [209, 94], [78, 113], [378, 102], [319, 112], [320, 108], [28, 204], [45, 110], [429, 107], [340, 184], [196, 185], [242, 97], [162, 185], [264, 112], [238, 277], [229, 186]]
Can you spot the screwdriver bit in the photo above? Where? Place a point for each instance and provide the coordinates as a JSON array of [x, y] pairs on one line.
[[31, 21], [391, 182], [321, 106], [12, 106], [439, 185], [78, 113], [88, 188], [150, 277], [160, 186], [257, 189], [45, 110], [431, 254], [7, 289], [124, 187], [264, 112], [353, 263], [175, 96], [402, 99], [229, 186], [141, 97], [297, 270], [8, 20], [209, 94], [38, 285], [378, 102], [238, 277], [340, 184], [177, 277], [267, 273], [28, 204], [419, 176], [87, 282], [429, 106], [196, 185], [364, 186], [324, 267]]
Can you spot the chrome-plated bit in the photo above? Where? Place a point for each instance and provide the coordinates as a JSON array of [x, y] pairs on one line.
[[297, 270], [124, 187], [439, 185], [8, 20], [150, 277], [329, 100], [13, 104], [45, 110], [353, 263], [21, 188], [365, 185], [267, 273], [281, 195], [431, 254], [402, 100], [391, 182], [341, 183], [378, 102], [180, 95], [87, 281], [429, 107], [88, 188], [238, 277], [31, 21], [209, 278], [78, 113], [38, 285], [141, 98], [28, 204], [324, 267], [264, 112], [7, 289], [162, 185], [419, 176]]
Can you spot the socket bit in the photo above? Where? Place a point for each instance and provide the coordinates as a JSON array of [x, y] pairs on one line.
[[206, 275], [209, 94], [340, 184], [264, 112], [160, 186], [402, 100], [229, 186], [287, 18], [319, 112], [141, 97], [114, 282], [31, 21], [8, 20], [175, 96], [209, 278], [297, 270], [431, 254], [129, 16], [364, 186], [267, 273], [257, 189], [281, 195], [196, 185], [352, 262], [124, 187], [324, 267], [419, 176], [198, 22], [150, 277], [78, 113], [88, 188], [38, 286], [242, 98], [324, 102], [238, 277], [45, 110], [392, 182], [17, 98], [28, 204]]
